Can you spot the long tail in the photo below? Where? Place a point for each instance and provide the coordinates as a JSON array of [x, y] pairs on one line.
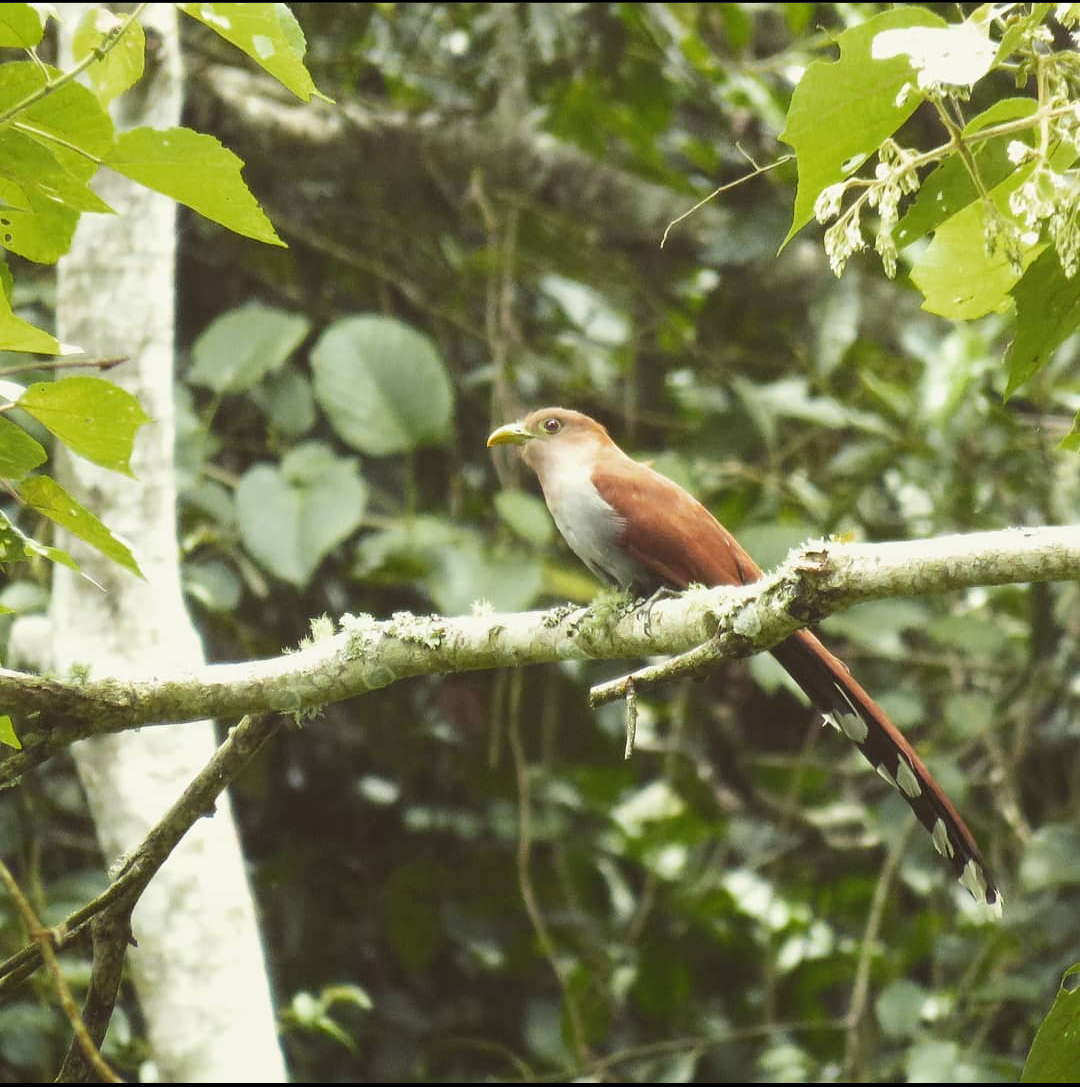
[[830, 686]]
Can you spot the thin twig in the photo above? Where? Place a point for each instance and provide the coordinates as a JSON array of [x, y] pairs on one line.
[[724, 188], [63, 364], [108, 42], [43, 939]]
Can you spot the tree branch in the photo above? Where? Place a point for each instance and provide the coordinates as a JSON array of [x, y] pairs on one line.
[[368, 654]]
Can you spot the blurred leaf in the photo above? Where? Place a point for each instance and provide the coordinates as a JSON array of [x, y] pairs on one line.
[[409, 903], [47, 497], [382, 384], [196, 171], [290, 517], [93, 417], [213, 583], [899, 1008], [588, 310], [971, 632], [842, 110], [122, 66], [1055, 1052], [525, 514], [468, 572], [970, 714], [288, 401], [878, 625], [1051, 857], [243, 345], [268, 33]]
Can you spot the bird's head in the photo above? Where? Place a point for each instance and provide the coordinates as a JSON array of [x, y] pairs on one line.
[[552, 432]]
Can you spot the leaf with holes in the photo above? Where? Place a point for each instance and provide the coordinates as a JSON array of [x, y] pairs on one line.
[[268, 33]]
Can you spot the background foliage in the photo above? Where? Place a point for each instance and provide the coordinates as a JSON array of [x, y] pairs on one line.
[[460, 878]]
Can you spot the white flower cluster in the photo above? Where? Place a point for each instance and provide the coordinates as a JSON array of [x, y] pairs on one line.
[[1051, 198], [894, 178]]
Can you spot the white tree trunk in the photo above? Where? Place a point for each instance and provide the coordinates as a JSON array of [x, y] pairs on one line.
[[198, 968]]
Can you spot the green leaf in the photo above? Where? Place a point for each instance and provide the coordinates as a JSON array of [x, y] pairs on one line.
[[1047, 313], [1071, 441], [290, 517], [8, 735], [268, 33], [16, 546], [950, 187], [93, 417], [32, 168], [195, 170], [240, 347], [48, 160], [382, 384], [899, 1008], [957, 276], [50, 499], [288, 401], [842, 110], [525, 514], [1051, 858], [19, 335], [81, 130], [19, 453], [468, 573], [122, 66], [20, 26], [453, 563], [1055, 1053]]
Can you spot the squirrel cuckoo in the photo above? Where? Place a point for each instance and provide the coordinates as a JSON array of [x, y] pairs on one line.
[[638, 529]]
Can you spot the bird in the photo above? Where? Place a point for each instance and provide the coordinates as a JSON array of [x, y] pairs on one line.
[[637, 529]]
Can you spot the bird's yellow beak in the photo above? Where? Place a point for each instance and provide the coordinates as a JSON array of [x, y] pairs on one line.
[[510, 434]]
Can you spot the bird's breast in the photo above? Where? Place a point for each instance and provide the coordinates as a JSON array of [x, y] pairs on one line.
[[591, 526]]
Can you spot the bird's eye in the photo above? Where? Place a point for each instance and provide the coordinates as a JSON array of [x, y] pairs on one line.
[[551, 426]]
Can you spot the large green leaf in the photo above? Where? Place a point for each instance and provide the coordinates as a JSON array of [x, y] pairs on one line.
[[122, 66], [20, 26], [290, 517], [93, 417], [382, 385], [196, 170], [45, 495], [243, 345], [268, 33], [956, 274], [1055, 1053], [842, 110]]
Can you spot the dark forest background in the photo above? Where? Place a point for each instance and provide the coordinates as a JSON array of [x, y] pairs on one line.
[[460, 878]]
